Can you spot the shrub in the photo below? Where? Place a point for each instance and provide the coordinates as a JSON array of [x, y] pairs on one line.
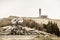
[[52, 28], [32, 24]]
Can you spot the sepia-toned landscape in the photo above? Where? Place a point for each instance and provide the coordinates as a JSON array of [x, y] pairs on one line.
[[29, 28], [29, 19]]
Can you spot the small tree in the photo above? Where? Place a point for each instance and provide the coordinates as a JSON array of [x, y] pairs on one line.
[[49, 27], [52, 28], [55, 29]]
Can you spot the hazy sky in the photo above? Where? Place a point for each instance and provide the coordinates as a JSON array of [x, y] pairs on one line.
[[30, 8]]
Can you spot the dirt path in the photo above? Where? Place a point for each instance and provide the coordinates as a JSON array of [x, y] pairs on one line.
[[20, 37]]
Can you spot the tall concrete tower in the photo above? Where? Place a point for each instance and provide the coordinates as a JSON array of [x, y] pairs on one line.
[[39, 12]]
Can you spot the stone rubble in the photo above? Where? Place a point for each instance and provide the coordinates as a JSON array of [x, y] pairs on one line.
[[17, 29]]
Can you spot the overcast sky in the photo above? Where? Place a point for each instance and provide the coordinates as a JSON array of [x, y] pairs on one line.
[[30, 8]]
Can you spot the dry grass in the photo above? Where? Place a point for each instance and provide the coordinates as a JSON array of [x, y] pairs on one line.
[[45, 21], [5, 22], [50, 37]]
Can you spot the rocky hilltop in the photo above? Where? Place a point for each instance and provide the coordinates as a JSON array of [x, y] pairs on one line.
[[14, 25]]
